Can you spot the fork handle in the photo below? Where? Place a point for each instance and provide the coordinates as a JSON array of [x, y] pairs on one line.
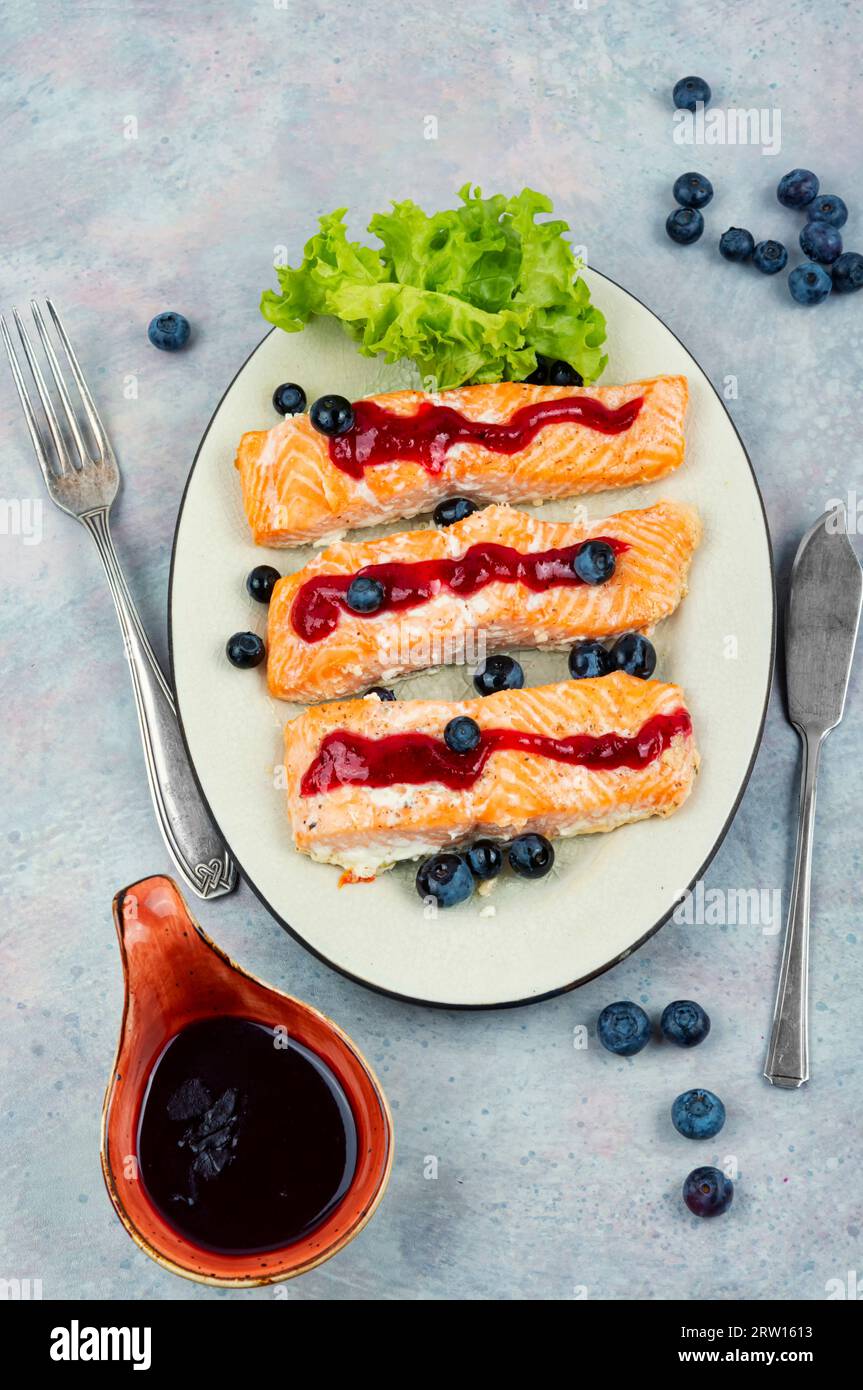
[[787, 1063], [196, 848]]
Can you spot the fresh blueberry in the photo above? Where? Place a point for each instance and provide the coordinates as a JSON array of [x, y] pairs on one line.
[[684, 225], [332, 415], [633, 654], [446, 878], [688, 91], [692, 190], [848, 272], [245, 649], [588, 659], [484, 859], [707, 1192], [770, 257], [382, 692], [594, 562], [365, 595], [453, 509], [797, 189], [623, 1028], [827, 207], [261, 582], [736, 244], [698, 1114], [821, 242], [684, 1022], [539, 375], [809, 283], [499, 673], [461, 734], [289, 399], [562, 374], [169, 332], [530, 855]]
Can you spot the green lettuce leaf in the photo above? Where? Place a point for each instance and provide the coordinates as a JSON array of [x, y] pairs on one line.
[[470, 294]]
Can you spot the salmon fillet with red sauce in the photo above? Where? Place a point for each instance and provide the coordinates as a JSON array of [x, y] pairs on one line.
[[504, 442], [371, 782]]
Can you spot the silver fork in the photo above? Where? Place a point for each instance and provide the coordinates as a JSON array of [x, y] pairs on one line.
[[85, 487]]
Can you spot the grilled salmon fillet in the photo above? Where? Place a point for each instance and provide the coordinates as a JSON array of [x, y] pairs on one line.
[[294, 492], [342, 761], [438, 599]]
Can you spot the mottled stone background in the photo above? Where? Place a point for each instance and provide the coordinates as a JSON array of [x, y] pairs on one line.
[[558, 1169]]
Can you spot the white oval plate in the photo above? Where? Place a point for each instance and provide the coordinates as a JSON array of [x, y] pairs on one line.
[[607, 893]]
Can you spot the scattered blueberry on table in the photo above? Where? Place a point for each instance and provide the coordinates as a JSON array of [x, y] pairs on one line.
[[684, 1022], [382, 692], [689, 91], [827, 207], [692, 190], [797, 189], [289, 399], [736, 244], [848, 272], [461, 734], [633, 654], [484, 859], [245, 649], [810, 283], [623, 1028], [453, 509], [499, 673], [594, 562], [698, 1114], [261, 581], [588, 659], [684, 225], [446, 878], [821, 242], [364, 595], [530, 855], [770, 257], [707, 1192], [169, 332], [332, 415]]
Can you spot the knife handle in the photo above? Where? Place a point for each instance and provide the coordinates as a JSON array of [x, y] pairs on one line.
[[787, 1063]]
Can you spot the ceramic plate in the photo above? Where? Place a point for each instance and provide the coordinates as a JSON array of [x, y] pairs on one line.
[[607, 893]]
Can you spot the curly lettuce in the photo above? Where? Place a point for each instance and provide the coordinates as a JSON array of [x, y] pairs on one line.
[[470, 294]]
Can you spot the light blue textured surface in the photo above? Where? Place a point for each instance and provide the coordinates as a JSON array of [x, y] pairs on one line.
[[558, 1168]]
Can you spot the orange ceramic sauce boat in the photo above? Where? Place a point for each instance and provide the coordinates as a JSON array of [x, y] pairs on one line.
[[175, 976]]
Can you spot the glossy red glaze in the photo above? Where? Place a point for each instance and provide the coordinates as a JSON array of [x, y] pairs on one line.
[[349, 759]]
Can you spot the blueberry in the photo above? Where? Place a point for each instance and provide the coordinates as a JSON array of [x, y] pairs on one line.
[[169, 332], [684, 225], [365, 595], [707, 1192], [698, 1114], [461, 734], [484, 859], [245, 649], [848, 272], [594, 562], [821, 242], [289, 399], [633, 654], [684, 1022], [539, 375], [562, 374], [332, 415], [797, 189], [736, 244], [499, 673], [827, 207], [261, 582], [453, 509], [690, 90], [530, 855], [382, 692], [623, 1028], [770, 257], [692, 190], [588, 659], [809, 283], [446, 878]]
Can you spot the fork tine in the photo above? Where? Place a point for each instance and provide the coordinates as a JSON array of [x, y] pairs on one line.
[[71, 420], [99, 433], [29, 413], [64, 463]]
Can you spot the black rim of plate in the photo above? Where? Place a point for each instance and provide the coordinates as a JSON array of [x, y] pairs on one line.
[[623, 955]]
